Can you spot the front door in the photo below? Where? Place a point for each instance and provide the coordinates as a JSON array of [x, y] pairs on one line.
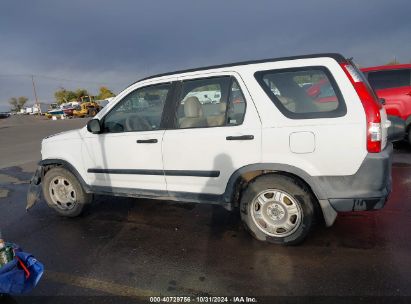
[[127, 155]]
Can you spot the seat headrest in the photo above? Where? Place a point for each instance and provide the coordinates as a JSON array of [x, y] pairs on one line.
[[192, 107], [222, 107]]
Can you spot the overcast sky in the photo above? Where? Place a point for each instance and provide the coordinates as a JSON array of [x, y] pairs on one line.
[[88, 43]]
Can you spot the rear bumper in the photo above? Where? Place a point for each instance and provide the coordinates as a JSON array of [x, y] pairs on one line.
[[368, 189]]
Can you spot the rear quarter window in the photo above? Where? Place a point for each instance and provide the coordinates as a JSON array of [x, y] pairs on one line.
[[390, 79], [303, 93]]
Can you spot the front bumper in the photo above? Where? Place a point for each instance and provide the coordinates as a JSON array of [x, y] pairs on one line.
[[34, 191], [367, 189]]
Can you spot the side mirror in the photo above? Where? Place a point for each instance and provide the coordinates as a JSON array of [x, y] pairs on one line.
[[93, 126], [382, 101]]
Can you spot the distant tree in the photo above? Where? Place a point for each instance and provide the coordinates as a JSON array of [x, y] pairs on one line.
[[14, 103], [18, 103], [62, 95], [22, 101], [104, 93], [81, 93], [71, 96]]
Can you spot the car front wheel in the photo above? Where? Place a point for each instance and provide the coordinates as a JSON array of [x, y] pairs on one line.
[[63, 192]]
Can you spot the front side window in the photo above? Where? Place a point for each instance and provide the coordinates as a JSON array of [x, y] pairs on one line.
[[302, 93], [210, 102], [390, 79], [141, 110]]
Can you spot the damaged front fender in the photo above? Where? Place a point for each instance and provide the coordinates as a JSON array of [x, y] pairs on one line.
[[34, 191]]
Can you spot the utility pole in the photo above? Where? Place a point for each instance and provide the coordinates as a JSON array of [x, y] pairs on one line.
[[35, 94]]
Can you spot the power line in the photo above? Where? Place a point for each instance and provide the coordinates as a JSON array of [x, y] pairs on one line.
[[34, 89]]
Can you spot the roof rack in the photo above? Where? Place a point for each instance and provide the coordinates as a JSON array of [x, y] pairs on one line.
[[338, 57]]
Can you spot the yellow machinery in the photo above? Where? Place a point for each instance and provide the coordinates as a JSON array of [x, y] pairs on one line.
[[87, 109]]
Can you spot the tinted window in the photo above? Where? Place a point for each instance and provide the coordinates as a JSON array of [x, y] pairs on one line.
[[210, 102], [140, 110], [302, 93], [389, 79], [236, 105]]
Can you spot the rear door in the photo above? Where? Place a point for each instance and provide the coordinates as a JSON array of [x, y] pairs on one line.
[[215, 131]]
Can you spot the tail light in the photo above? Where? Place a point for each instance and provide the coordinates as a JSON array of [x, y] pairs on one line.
[[371, 107]]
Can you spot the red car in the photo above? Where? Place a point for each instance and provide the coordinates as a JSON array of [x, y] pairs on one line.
[[322, 91], [393, 83]]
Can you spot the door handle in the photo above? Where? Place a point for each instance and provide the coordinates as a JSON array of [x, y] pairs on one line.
[[241, 137], [409, 93], [147, 141]]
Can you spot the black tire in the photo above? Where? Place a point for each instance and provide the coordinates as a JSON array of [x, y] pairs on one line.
[[294, 188], [92, 113], [81, 197], [409, 135]]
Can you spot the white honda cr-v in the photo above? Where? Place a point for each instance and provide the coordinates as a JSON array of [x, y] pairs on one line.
[[289, 139]]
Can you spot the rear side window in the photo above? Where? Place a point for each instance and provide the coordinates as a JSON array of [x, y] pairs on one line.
[[210, 102], [303, 93], [390, 79]]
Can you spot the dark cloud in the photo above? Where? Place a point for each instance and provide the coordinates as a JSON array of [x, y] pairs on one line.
[[116, 42]]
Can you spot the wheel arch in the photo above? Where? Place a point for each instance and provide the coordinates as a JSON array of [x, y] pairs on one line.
[[47, 164], [241, 177]]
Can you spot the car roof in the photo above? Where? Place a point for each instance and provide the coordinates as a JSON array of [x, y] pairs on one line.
[[387, 67], [338, 57]]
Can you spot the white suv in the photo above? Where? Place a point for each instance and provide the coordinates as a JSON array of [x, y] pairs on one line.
[[289, 139]]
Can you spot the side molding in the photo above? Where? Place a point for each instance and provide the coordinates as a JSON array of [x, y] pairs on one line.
[[224, 200]]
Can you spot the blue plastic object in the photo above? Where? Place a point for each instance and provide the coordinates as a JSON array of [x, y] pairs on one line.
[[21, 275]]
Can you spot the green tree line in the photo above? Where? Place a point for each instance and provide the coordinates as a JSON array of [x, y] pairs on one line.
[[62, 95], [18, 103]]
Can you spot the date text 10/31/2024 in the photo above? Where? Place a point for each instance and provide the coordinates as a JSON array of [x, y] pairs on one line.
[[200, 299]]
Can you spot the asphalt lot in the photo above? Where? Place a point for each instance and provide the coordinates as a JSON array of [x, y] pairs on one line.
[[138, 248], [21, 136]]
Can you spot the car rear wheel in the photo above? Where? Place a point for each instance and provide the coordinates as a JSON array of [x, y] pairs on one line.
[[278, 209], [63, 192]]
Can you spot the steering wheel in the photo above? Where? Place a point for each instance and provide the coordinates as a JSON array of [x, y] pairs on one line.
[[135, 122]]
